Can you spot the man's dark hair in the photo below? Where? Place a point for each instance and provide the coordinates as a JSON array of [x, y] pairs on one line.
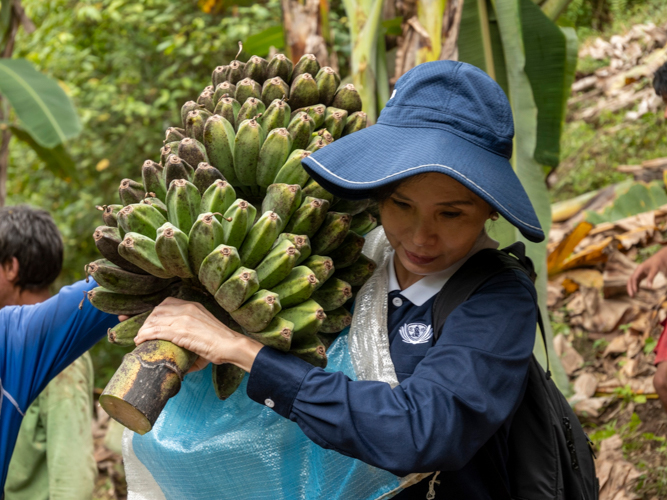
[[660, 80], [30, 235]]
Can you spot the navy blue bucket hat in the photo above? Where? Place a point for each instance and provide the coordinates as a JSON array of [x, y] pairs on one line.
[[444, 116]]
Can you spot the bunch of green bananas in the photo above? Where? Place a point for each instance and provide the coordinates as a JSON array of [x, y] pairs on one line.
[[230, 219]]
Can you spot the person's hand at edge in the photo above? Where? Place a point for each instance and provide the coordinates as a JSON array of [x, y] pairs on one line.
[[190, 326], [648, 269]]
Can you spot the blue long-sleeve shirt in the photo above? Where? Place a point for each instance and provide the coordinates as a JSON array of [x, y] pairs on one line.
[[36, 343], [454, 395]]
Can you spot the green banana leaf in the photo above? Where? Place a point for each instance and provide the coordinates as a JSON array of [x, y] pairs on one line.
[[57, 160], [43, 108], [474, 42], [551, 59], [260, 43], [5, 18], [638, 199]]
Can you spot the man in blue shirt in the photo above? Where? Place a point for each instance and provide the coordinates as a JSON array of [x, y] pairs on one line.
[[36, 343]]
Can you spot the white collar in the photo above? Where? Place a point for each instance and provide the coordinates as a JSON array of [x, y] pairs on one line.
[[421, 291]]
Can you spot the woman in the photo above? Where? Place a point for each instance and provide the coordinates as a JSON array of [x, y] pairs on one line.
[[438, 163]]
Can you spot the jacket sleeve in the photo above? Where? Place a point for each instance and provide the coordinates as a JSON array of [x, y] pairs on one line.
[[37, 342], [459, 395]]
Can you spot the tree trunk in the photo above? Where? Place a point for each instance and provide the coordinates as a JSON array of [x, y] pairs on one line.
[[307, 31]]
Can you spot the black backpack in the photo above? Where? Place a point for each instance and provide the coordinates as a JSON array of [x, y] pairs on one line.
[[550, 456]]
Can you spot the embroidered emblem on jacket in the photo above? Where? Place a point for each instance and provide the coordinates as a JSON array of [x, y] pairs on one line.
[[415, 333]]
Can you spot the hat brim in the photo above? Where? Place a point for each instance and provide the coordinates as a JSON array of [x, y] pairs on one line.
[[357, 165]]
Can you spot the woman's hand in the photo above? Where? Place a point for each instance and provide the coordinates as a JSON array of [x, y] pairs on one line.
[[191, 326], [649, 269]]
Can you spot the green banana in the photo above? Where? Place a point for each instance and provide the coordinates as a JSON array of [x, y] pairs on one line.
[[228, 108], [219, 143], [363, 223], [123, 333], [247, 145], [177, 168], [218, 197], [334, 121], [276, 115], [123, 304], [316, 112], [337, 321], [174, 134], [349, 251], [297, 287], [205, 100], [205, 176], [309, 217], [355, 122], [333, 294], [251, 109], [237, 289], [140, 218], [187, 107], [157, 204], [258, 311], [194, 124], [192, 151], [307, 318], [218, 266], [284, 199], [347, 98], [118, 280], [275, 150], [314, 190], [303, 92], [165, 152], [300, 128], [277, 334], [316, 144], [241, 216], [307, 64], [331, 234], [140, 251], [255, 69], [275, 88], [327, 84], [183, 202], [171, 247], [219, 75], [222, 89], [107, 240], [314, 353], [357, 273], [130, 192], [151, 174], [206, 235], [247, 88], [260, 239], [235, 73], [292, 172], [110, 214], [281, 66], [277, 264], [301, 242], [325, 136], [352, 207], [226, 379], [322, 267]]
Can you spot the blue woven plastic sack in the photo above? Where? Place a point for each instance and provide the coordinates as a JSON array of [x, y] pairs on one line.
[[204, 448]]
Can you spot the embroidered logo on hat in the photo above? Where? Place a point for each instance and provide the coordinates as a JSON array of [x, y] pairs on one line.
[[415, 333]]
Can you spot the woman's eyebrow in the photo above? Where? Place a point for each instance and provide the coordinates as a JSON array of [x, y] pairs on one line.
[[456, 202]]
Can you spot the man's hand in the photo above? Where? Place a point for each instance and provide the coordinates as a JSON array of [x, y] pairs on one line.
[[649, 269], [191, 326]]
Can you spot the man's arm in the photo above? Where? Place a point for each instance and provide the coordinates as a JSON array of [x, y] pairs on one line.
[[67, 415], [37, 342]]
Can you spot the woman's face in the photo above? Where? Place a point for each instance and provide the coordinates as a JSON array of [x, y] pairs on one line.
[[431, 222]]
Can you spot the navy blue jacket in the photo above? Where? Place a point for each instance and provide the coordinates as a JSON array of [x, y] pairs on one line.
[[453, 396], [36, 343]]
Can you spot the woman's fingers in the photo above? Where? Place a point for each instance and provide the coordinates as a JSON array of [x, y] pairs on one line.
[[635, 279], [200, 364]]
